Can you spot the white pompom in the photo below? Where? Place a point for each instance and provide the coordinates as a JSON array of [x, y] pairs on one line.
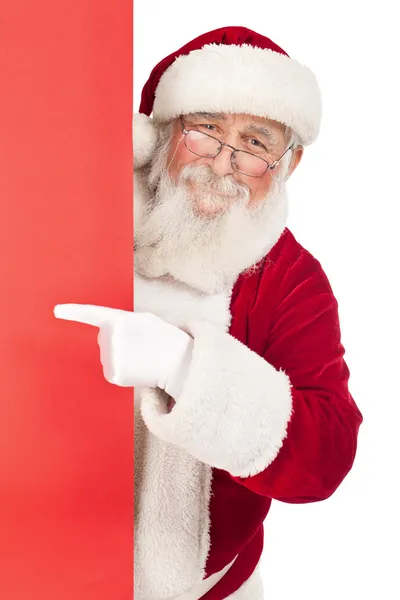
[[144, 135]]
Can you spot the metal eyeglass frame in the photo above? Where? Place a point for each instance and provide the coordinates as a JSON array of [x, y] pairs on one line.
[[269, 167]]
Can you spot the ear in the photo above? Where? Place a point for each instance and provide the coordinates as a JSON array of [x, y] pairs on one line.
[[144, 136], [296, 158]]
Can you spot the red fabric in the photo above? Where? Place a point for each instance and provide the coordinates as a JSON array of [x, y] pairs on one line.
[[66, 436], [288, 314], [225, 35]]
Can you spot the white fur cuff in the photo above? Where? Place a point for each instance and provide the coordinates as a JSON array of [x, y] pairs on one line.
[[234, 409]]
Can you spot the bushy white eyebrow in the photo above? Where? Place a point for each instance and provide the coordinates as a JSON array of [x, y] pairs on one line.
[[263, 131], [214, 116]]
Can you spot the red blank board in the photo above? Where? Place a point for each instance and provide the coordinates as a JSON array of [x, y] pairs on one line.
[[66, 435]]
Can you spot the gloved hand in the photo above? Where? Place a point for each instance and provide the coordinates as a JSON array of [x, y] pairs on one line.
[[136, 349]]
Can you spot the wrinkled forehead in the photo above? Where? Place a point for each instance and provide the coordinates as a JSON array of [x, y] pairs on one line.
[[234, 118]]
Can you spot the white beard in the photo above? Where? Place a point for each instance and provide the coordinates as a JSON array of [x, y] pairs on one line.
[[173, 236]]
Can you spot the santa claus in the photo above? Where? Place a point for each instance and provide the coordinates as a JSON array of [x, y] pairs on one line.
[[234, 349]]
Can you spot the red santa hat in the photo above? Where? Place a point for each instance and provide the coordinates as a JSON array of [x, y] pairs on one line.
[[228, 70]]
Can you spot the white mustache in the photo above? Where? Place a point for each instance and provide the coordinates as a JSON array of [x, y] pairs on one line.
[[203, 175]]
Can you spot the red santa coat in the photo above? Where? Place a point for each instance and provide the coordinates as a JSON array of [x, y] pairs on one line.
[[265, 414]]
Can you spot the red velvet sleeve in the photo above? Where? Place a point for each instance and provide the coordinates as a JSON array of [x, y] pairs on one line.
[[304, 340]]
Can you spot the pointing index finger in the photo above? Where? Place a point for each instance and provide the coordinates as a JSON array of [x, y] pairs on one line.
[[97, 316]]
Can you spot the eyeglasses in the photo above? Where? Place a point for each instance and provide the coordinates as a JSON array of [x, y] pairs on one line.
[[246, 163]]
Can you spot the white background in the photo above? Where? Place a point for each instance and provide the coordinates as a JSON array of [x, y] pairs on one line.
[[345, 203]]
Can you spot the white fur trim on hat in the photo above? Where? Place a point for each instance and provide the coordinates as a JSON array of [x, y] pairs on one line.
[[241, 79], [144, 135]]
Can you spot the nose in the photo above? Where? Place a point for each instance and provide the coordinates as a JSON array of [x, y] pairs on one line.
[[221, 164]]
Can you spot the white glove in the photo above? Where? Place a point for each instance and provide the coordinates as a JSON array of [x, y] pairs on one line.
[[136, 349]]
